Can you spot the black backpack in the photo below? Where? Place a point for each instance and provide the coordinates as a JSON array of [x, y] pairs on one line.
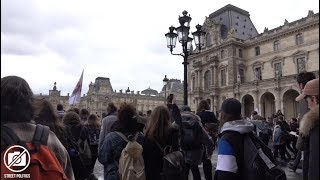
[[174, 166], [256, 161], [191, 134]]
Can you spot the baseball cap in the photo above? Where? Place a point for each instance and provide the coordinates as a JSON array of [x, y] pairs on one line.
[[311, 88], [231, 106]]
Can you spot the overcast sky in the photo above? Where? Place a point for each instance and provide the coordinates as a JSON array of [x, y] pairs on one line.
[[52, 41]]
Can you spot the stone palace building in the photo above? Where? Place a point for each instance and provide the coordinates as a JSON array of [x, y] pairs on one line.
[[100, 93], [257, 69]]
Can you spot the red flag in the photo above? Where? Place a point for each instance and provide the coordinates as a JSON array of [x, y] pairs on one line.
[[76, 94]]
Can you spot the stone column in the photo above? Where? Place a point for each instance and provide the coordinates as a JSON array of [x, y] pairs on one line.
[[211, 103], [199, 79], [196, 79], [278, 99], [215, 69], [216, 103], [256, 100], [212, 75]]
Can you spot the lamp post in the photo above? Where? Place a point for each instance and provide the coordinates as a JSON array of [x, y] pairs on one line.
[[186, 42], [165, 82]]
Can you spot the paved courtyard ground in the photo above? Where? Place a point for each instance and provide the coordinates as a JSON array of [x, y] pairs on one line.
[[98, 170]]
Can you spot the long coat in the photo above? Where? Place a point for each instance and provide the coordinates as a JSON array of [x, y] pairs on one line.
[[309, 129]]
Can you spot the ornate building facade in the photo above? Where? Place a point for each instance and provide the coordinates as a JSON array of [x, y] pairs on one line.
[[100, 93], [257, 69]]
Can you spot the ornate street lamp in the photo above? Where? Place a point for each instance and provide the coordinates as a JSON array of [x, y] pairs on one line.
[[165, 82], [186, 42]]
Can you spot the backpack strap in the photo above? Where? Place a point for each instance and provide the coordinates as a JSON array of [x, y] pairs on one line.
[[10, 138], [122, 136], [41, 135], [161, 149]]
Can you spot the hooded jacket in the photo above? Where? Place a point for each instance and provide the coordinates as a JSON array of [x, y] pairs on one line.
[[227, 167], [309, 129], [194, 156]]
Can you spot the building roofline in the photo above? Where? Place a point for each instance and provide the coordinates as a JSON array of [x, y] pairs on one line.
[[229, 7]]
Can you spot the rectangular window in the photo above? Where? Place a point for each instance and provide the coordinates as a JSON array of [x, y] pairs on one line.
[[241, 73], [278, 69], [301, 66], [257, 49], [223, 77], [240, 53], [258, 73], [299, 39], [276, 46]]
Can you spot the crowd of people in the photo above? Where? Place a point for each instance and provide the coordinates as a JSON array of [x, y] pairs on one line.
[[79, 138]]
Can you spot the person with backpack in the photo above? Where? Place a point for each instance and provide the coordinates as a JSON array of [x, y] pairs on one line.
[[121, 151], [228, 152], [78, 147], [45, 115], [195, 142], [241, 154], [93, 126], [18, 128], [161, 140], [210, 123]]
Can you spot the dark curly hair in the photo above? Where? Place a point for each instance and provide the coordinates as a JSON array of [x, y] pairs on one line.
[[71, 118], [203, 105], [16, 100], [127, 115]]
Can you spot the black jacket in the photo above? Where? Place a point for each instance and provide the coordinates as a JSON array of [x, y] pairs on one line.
[[207, 117], [153, 157]]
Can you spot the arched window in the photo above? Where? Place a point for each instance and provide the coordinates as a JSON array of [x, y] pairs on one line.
[[299, 39], [207, 80]]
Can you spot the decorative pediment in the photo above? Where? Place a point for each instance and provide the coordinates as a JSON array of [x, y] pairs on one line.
[[197, 63], [242, 66], [258, 64], [222, 66], [277, 59], [299, 53]]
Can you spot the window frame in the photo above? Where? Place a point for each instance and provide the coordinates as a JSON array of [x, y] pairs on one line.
[[240, 53], [299, 39], [276, 45], [223, 82], [257, 50], [304, 63], [275, 69], [256, 75], [207, 80]]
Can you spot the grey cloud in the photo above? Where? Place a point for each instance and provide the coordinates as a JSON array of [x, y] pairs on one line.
[[17, 45], [24, 17]]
